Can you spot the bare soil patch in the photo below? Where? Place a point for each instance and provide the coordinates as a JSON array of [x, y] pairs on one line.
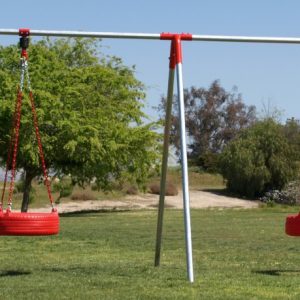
[[198, 199]]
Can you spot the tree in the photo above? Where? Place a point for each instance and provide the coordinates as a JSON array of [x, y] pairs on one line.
[[89, 112], [213, 118], [291, 130], [260, 159]]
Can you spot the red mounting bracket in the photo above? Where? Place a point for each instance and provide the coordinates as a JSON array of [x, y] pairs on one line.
[[24, 41], [176, 52]]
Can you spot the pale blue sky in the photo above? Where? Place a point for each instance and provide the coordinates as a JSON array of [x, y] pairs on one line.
[[262, 73]]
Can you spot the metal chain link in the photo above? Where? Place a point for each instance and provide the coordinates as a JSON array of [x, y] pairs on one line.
[[24, 68]]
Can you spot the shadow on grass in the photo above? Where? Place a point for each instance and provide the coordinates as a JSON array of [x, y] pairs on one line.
[[11, 273], [276, 272], [217, 191], [82, 213]]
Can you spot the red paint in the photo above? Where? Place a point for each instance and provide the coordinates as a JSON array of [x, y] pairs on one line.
[[170, 36], [172, 55], [292, 225], [24, 32], [20, 223], [24, 54], [176, 51]]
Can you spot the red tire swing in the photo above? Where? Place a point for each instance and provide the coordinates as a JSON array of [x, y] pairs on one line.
[[23, 223], [292, 225]]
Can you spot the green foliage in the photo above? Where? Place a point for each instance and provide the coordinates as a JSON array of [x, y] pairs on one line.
[[259, 160], [291, 130], [63, 187], [208, 161], [89, 112], [19, 186]]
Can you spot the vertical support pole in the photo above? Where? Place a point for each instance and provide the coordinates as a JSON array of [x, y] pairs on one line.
[[184, 164], [165, 157], [176, 63]]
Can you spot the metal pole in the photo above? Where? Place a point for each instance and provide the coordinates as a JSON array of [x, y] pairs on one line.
[[154, 36], [246, 39], [87, 34], [184, 165], [164, 159]]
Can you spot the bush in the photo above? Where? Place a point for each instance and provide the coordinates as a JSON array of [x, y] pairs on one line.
[[259, 160], [132, 190], [290, 195], [171, 189], [275, 196], [209, 162], [83, 196]]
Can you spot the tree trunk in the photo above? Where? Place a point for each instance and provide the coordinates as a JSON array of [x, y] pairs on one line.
[[27, 188]]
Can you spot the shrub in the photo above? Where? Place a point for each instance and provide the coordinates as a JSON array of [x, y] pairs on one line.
[[209, 162], [290, 195], [85, 195], [171, 189], [259, 160], [275, 196], [132, 190]]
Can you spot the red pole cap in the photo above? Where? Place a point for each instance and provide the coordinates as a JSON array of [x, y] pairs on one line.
[[24, 32]]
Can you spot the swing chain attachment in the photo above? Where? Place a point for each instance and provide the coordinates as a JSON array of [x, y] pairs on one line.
[[24, 41]]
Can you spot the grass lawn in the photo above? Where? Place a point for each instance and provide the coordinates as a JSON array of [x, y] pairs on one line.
[[238, 254]]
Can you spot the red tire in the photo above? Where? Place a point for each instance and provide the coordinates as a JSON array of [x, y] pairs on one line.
[[292, 225], [19, 223]]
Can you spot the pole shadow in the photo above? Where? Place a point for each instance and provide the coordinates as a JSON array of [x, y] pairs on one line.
[[12, 273], [276, 272]]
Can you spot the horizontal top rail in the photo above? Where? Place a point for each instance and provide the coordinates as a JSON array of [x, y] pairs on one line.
[[63, 33], [247, 39], [155, 36]]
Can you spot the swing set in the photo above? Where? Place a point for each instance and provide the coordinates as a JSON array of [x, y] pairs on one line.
[[19, 223]]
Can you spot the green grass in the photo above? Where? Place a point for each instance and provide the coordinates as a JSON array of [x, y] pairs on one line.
[[238, 254]]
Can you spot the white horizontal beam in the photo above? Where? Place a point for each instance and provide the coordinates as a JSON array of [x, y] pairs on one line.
[[155, 36], [246, 39], [62, 33]]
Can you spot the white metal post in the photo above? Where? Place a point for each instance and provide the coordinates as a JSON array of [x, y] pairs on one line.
[[184, 165]]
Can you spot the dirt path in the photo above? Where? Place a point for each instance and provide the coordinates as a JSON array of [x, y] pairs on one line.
[[198, 199]]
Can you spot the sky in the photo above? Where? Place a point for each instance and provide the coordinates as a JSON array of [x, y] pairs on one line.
[[267, 75]]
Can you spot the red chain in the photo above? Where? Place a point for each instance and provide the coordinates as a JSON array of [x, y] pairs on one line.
[[11, 143], [15, 148], [38, 137]]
